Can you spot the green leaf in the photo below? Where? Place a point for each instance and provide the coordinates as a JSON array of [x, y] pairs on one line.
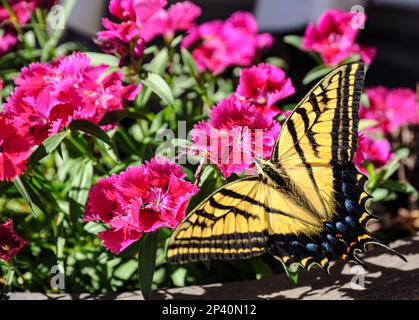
[[292, 272], [94, 130], [81, 182], [30, 196], [316, 73], [179, 277], [277, 62], [176, 41], [48, 146], [366, 123], [147, 262], [126, 270], [353, 58], [402, 153], [365, 101], [189, 61], [115, 116], [393, 165], [398, 186], [295, 41], [160, 87], [159, 64], [206, 173], [94, 227], [102, 58], [381, 194], [369, 166]]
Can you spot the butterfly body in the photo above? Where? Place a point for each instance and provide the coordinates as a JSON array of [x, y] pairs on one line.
[[307, 203]]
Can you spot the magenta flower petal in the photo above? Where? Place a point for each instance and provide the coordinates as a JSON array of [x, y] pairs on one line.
[[264, 85], [103, 203], [334, 37], [15, 148], [10, 242], [376, 151], [391, 108], [117, 241]]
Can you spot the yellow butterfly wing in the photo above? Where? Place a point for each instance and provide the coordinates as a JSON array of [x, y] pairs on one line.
[[229, 224], [235, 223], [323, 128]]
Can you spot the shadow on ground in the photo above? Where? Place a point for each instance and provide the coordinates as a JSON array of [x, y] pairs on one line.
[[388, 277]]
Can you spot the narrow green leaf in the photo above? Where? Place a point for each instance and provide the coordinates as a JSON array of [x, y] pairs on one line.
[[102, 58], [81, 182], [115, 116], [316, 73], [30, 196], [381, 194], [147, 262], [295, 41], [160, 87], [206, 173], [159, 64], [398, 186], [176, 41], [393, 165], [48, 146], [353, 58], [402, 153], [189, 61], [365, 101], [366, 123], [94, 130], [369, 166], [278, 62]]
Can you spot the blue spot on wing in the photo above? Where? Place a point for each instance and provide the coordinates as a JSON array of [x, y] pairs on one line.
[[312, 247], [340, 226], [349, 205], [349, 221]]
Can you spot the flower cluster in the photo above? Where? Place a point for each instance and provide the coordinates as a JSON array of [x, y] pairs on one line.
[[47, 97], [10, 241], [140, 199], [22, 11], [391, 108], [242, 126], [217, 45], [140, 22], [334, 37]]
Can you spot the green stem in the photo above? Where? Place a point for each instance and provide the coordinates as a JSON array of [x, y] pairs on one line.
[[9, 280]]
